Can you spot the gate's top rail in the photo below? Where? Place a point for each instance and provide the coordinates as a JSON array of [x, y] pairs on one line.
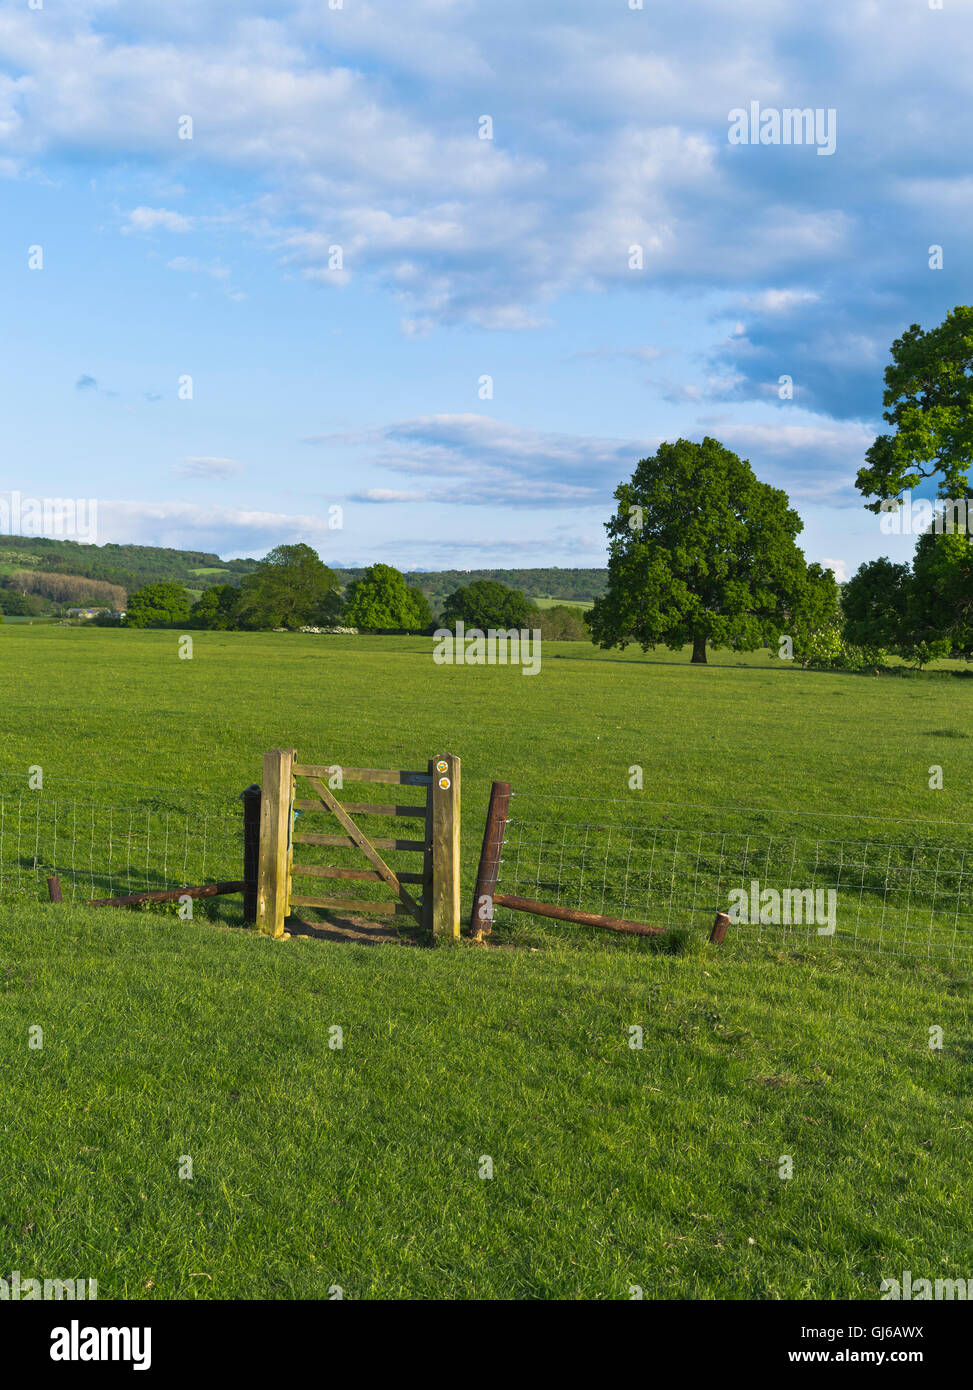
[[364, 774], [368, 808]]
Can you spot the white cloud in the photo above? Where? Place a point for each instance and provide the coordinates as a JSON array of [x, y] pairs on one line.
[[229, 531], [203, 467], [387, 494], [479, 460], [150, 219], [831, 439], [777, 301], [190, 264], [841, 569], [359, 127]]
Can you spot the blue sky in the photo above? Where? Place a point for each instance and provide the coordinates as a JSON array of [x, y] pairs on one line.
[[359, 387]]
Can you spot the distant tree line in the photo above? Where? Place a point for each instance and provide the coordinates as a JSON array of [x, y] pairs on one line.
[[17, 605], [576, 585], [292, 588], [132, 567]]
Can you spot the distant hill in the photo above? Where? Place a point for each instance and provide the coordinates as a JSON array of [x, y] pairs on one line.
[[129, 566], [132, 566]]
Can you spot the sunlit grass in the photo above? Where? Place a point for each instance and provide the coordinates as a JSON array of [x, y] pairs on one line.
[[316, 1166]]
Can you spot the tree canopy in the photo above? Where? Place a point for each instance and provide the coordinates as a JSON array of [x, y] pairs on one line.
[[928, 399], [925, 610], [700, 551], [873, 602], [563, 622], [158, 605], [383, 599], [218, 609], [813, 623], [886, 607], [487, 603], [291, 587], [941, 603]]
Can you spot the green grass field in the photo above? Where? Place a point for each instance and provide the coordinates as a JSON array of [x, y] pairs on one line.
[[584, 603], [613, 1166]]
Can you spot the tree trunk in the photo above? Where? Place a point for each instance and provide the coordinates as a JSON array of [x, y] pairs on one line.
[[699, 651]]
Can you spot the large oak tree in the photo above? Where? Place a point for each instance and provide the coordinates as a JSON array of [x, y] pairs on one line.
[[700, 551]]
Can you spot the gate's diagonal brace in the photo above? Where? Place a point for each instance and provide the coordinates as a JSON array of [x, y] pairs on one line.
[[370, 853]]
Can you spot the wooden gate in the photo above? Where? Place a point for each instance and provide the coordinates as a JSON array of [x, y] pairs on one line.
[[429, 895]]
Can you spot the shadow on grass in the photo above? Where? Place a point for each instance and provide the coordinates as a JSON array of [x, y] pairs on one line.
[[780, 668]]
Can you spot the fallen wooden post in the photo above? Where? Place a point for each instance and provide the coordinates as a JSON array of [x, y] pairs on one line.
[[570, 914], [719, 927], [167, 895], [481, 917]]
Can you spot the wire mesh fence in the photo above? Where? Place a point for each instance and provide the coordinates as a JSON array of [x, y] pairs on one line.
[[99, 850], [782, 889]]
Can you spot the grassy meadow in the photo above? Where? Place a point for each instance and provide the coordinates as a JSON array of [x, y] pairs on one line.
[[358, 1166], [745, 736]]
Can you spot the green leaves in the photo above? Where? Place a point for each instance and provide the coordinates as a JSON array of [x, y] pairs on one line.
[[890, 606], [381, 599], [812, 623], [487, 603], [928, 399], [217, 609], [290, 587], [941, 599], [699, 551], [158, 605]]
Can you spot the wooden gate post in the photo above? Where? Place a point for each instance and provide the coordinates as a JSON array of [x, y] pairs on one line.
[[444, 837], [276, 844]]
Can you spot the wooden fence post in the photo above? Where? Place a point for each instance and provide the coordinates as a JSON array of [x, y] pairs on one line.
[[276, 845], [444, 833], [251, 851], [481, 916], [719, 927]]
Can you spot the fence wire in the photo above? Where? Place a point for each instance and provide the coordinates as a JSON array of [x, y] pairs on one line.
[[879, 893], [101, 851], [782, 889]]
